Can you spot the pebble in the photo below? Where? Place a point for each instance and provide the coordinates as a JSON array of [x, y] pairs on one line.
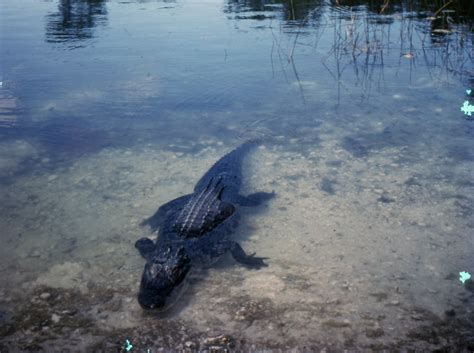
[[218, 340], [35, 253], [378, 332], [45, 295], [337, 323], [189, 344], [55, 318]]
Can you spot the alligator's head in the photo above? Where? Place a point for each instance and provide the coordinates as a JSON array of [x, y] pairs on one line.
[[163, 278]]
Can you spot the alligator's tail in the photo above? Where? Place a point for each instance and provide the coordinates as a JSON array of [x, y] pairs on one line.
[[259, 129], [229, 165], [239, 153]]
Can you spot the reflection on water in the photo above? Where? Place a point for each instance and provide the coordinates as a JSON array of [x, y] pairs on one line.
[[75, 21], [291, 10], [369, 36], [296, 10], [358, 106]]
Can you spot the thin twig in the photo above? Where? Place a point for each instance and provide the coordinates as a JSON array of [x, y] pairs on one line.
[[442, 8]]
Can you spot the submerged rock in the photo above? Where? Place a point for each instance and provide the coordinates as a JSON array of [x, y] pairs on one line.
[[219, 341]]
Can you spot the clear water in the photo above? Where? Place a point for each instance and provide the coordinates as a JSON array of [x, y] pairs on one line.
[[110, 108]]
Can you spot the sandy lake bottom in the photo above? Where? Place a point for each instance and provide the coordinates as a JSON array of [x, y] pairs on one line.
[[363, 252]]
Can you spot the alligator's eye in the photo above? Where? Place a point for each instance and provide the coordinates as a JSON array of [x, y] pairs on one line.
[[154, 270], [175, 272]]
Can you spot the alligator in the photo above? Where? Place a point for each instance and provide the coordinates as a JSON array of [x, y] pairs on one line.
[[194, 231]]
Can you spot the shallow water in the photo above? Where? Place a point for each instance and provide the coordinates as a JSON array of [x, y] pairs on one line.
[[109, 109]]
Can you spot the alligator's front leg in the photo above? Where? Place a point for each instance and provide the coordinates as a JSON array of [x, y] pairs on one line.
[[254, 199], [240, 256], [145, 247]]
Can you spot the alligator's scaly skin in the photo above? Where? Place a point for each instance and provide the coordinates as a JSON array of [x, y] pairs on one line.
[[194, 229]]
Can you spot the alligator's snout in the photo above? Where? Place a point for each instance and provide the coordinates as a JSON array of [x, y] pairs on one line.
[[162, 280], [149, 300]]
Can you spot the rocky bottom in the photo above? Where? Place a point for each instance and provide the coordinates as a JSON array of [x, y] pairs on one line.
[[66, 320], [363, 255]]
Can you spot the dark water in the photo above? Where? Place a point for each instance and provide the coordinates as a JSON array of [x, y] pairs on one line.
[[110, 108]]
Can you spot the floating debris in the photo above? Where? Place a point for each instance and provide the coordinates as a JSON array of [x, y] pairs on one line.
[[441, 31], [219, 343], [464, 276], [467, 108]]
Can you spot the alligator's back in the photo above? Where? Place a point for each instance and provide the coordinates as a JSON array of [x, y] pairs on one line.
[[228, 169], [212, 200]]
